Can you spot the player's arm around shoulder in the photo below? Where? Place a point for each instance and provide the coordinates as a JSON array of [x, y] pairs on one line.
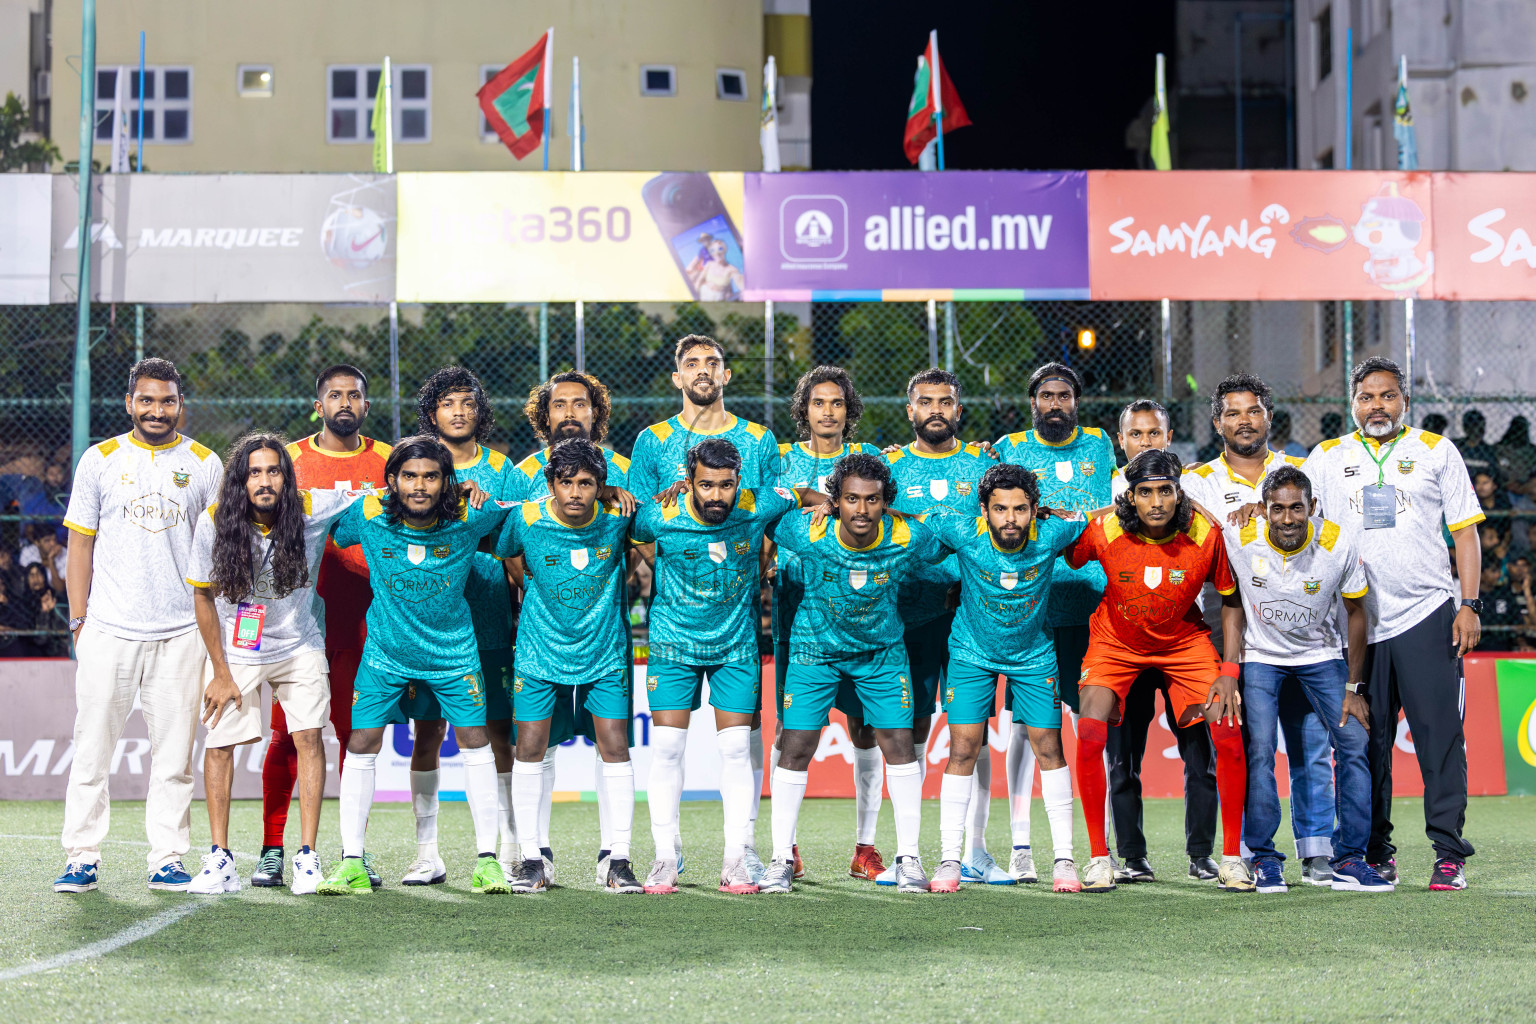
[[347, 530], [1062, 530]]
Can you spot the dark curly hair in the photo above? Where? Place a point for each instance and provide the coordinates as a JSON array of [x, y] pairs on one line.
[[233, 577], [1049, 370], [450, 504], [537, 406], [1008, 477], [1287, 476], [932, 375], [1150, 464], [800, 404], [445, 382], [688, 342], [155, 368], [1377, 364], [714, 453], [1239, 382], [865, 467], [573, 455]]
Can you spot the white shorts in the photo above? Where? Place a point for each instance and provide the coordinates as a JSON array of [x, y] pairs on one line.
[[300, 684]]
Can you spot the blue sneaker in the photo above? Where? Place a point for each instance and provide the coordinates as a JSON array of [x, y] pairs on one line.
[[76, 878], [979, 866], [172, 876], [1268, 875], [1355, 875]]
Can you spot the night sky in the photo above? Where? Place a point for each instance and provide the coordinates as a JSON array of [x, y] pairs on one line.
[[1048, 84]]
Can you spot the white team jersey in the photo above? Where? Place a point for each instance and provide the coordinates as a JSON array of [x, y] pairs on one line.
[[295, 622], [1407, 565], [1290, 598], [1221, 491], [142, 505], [1117, 484]]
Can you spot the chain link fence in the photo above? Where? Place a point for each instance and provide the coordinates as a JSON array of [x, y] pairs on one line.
[[253, 366]]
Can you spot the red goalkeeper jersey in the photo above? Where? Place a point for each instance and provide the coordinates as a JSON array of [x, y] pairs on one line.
[[1149, 601], [343, 583]]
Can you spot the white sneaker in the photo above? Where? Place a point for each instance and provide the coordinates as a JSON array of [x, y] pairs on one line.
[[426, 871], [549, 870], [1099, 876], [910, 876], [754, 865], [602, 870], [677, 847], [218, 875], [1022, 865], [780, 877], [306, 873], [735, 880], [1064, 876], [662, 878]]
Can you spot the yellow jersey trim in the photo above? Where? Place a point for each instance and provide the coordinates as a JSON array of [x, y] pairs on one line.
[[109, 446], [1329, 536], [837, 535], [154, 447], [1453, 527], [82, 531]]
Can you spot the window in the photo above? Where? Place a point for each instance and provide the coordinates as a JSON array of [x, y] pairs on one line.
[[350, 92], [658, 80], [254, 80], [1322, 43], [488, 72], [730, 84], [167, 103]]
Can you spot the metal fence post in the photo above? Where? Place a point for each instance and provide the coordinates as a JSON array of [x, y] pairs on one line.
[[933, 333], [394, 366], [1167, 353], [768, 363], [581, 337], [80, 433], [949, 336], [544, 336], [138, 331], [1412, 338], [1349, 347]]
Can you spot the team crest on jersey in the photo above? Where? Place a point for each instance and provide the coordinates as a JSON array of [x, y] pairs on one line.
[[1260, 565], [1313, 586], [601, 554], [962, 489], [915, 491], [1404, 466], [717, 551], [1008, 580], [1063, 471], [1031, 573], [517, 684], [650, 681], [442, 552], [882, 578], [949, 695], [183, 479], [741, 547], [1086, 468], [789, 699], [939, 489], [1175, 576], [857, 578], [416, 553], [1152, 575], [578, 558]]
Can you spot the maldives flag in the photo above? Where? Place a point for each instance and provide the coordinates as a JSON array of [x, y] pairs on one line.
[[931, 95], [514, 101]]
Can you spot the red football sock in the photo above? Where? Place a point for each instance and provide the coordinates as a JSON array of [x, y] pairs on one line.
[[278, 772], [1231, 784], [1091, 784]]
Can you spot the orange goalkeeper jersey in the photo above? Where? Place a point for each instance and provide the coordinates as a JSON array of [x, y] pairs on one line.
[[1149, 601]]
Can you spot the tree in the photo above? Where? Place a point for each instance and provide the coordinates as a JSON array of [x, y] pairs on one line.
[[20, 147]]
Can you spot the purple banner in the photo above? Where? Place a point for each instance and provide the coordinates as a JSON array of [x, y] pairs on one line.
[[908, 235]]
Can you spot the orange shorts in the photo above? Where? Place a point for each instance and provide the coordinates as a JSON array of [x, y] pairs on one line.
[[1190, 669]]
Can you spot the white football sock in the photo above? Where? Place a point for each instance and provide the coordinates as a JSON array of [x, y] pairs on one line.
[[480, 793], [527, 789], [866, 794], [504, 813], [424, 805], [357, 776], [905, 782], [1021, 782], [1056, 788], [981, 799], [735, 788], [773, 767], [546, 799], [954, 807], [664, 788], [755, 752], [604, 807], [788, 795], [619, 782]]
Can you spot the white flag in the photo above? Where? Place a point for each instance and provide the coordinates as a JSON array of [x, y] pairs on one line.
[[768, 133], [121, 136]]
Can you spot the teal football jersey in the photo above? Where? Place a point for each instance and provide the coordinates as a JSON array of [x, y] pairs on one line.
[[935, 483], [572, 627], [419, 623], [526, 482], [800, 467], [660, 456], [850, 603], [1004, 595], [1075, 477], [704, 598], [487, 591]]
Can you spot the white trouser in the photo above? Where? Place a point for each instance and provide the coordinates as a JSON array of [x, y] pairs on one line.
[[166, 675]]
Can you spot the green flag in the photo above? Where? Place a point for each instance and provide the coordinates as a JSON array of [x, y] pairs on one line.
[[381, 123]]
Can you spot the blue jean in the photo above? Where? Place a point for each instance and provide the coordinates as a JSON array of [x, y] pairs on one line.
[[1323, 686], [1310, 755]]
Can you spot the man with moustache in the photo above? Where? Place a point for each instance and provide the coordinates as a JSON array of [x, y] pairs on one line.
[[131, 518]]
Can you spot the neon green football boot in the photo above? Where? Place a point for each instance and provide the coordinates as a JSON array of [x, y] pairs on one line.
[[488, 877], [349, 877]]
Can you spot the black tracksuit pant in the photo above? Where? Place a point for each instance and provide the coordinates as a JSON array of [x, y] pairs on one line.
[[1127, 746]]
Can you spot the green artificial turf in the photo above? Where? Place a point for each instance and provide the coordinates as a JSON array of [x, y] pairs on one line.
[[1172, 951]]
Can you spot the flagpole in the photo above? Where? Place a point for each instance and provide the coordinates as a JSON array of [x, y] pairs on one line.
[[389, 119], [1349, 155], [549, 79], [576, 165], [80, 430], [1407, 160], [934, 77], [140, 166]]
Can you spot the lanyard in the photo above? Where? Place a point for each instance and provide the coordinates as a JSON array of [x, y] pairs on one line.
[[1381, 463]]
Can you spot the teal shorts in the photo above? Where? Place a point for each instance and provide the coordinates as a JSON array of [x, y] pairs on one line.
[[496, 667], [534, 700], [735, 688], [928, 656], [846, 700], [970, 696], [880, 679], [378, 698]]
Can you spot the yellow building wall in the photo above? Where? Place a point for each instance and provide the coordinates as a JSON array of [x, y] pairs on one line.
[[692, 130]]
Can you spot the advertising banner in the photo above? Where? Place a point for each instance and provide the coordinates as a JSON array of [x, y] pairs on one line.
[[563, 236], [26, 207], [229, 238], [1484, 224], [1260, 235], [904, 235], [1517, 718]]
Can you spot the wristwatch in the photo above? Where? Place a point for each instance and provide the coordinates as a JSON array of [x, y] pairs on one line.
[[1354, 688], [76, 622], [1474, 603]]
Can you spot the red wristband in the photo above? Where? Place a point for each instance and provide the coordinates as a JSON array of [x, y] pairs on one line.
[[1229, 669]]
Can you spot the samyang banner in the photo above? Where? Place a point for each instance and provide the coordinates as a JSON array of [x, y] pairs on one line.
[[1484, 224]]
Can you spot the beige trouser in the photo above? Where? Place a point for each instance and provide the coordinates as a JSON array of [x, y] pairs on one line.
[[166, 676]]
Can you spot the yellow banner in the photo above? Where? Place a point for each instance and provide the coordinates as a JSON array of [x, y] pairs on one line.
[[558, 237]]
